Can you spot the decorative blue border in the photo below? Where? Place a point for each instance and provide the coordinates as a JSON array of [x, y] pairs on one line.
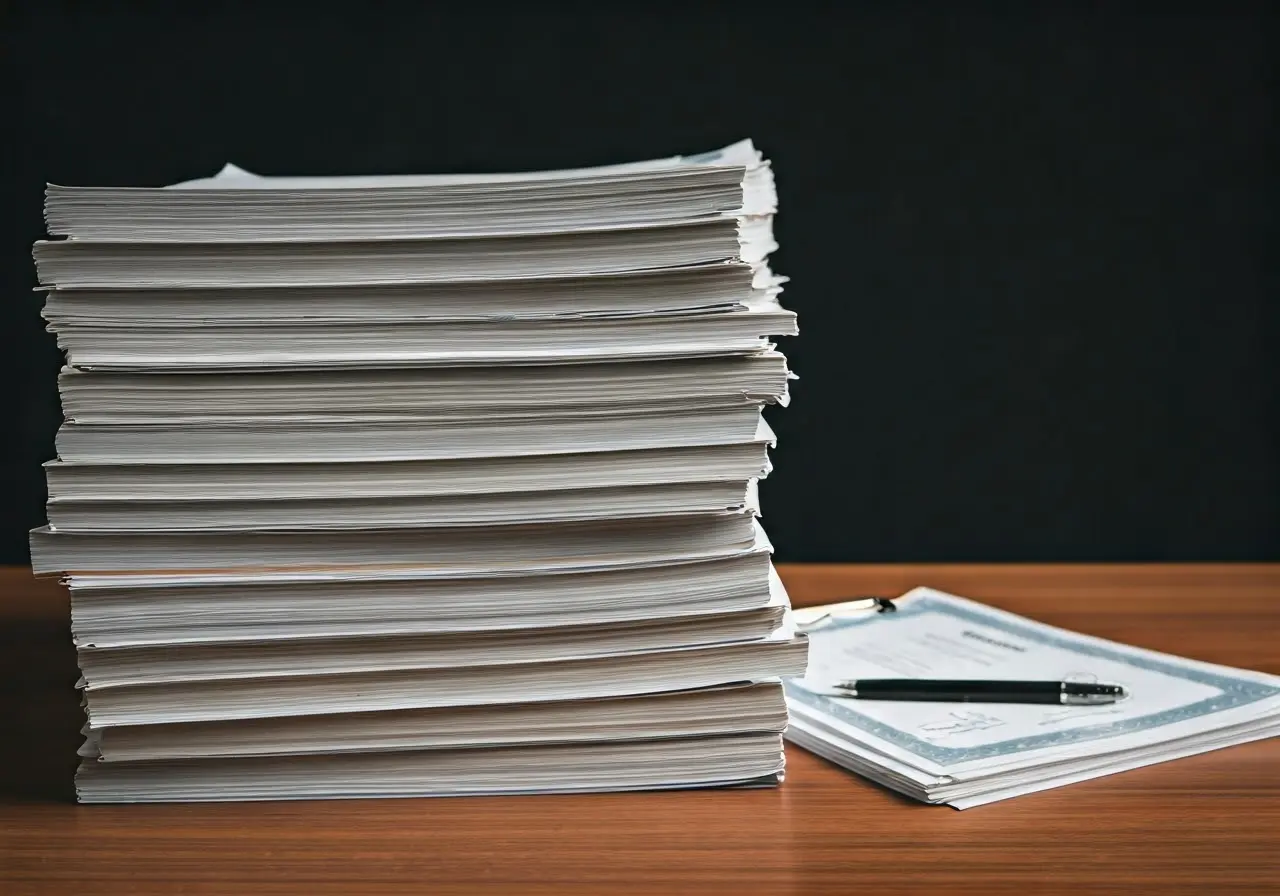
[[1235, 691]]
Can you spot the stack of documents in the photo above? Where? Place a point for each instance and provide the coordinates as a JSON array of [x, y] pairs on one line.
[[433, 485], [968, 754]]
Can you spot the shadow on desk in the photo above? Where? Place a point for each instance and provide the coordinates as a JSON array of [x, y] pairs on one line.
[[39, 710]]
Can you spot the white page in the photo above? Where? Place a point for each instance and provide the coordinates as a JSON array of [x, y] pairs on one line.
[[935, 635], [742, 153], [1035, 786]]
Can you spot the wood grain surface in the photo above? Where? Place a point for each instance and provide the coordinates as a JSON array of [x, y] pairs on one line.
[[1204, 825]]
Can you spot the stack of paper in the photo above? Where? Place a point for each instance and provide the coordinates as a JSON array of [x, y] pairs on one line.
[[968, 754], [418, 486]]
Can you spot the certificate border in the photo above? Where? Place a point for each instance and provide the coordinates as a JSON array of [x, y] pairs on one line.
[[1234, 691]]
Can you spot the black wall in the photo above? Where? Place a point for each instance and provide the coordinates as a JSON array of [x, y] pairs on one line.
[[1033, 247]]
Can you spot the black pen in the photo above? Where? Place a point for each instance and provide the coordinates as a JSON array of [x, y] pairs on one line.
[[1066, 693]]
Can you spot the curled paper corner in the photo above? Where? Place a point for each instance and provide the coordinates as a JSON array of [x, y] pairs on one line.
[[233, 171]]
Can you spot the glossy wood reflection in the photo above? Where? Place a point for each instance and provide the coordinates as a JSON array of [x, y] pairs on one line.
[[1209, 824]]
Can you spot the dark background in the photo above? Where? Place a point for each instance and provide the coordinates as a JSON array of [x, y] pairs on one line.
[[1033, 247]]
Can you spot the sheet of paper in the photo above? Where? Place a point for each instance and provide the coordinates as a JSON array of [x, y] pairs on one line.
[[934, 635]]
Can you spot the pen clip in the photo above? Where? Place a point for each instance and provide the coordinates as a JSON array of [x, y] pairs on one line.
[[810, 618]]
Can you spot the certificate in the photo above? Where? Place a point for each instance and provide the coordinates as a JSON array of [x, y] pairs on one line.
[[1173, 703]]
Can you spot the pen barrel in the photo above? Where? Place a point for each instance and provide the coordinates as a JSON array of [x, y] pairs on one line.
[[1039, 692]]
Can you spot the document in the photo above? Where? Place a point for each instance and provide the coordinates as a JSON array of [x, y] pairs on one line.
[[1173, 705], [420, 485]]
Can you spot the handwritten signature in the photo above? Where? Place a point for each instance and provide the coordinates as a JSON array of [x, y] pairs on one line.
[[959, 722]]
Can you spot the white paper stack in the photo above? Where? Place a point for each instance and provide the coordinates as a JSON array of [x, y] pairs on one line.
[[394, 486]]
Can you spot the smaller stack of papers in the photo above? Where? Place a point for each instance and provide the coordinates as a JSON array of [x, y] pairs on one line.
[[968, 754]]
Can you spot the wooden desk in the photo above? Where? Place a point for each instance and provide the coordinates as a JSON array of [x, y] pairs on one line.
[[1205, 825]]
